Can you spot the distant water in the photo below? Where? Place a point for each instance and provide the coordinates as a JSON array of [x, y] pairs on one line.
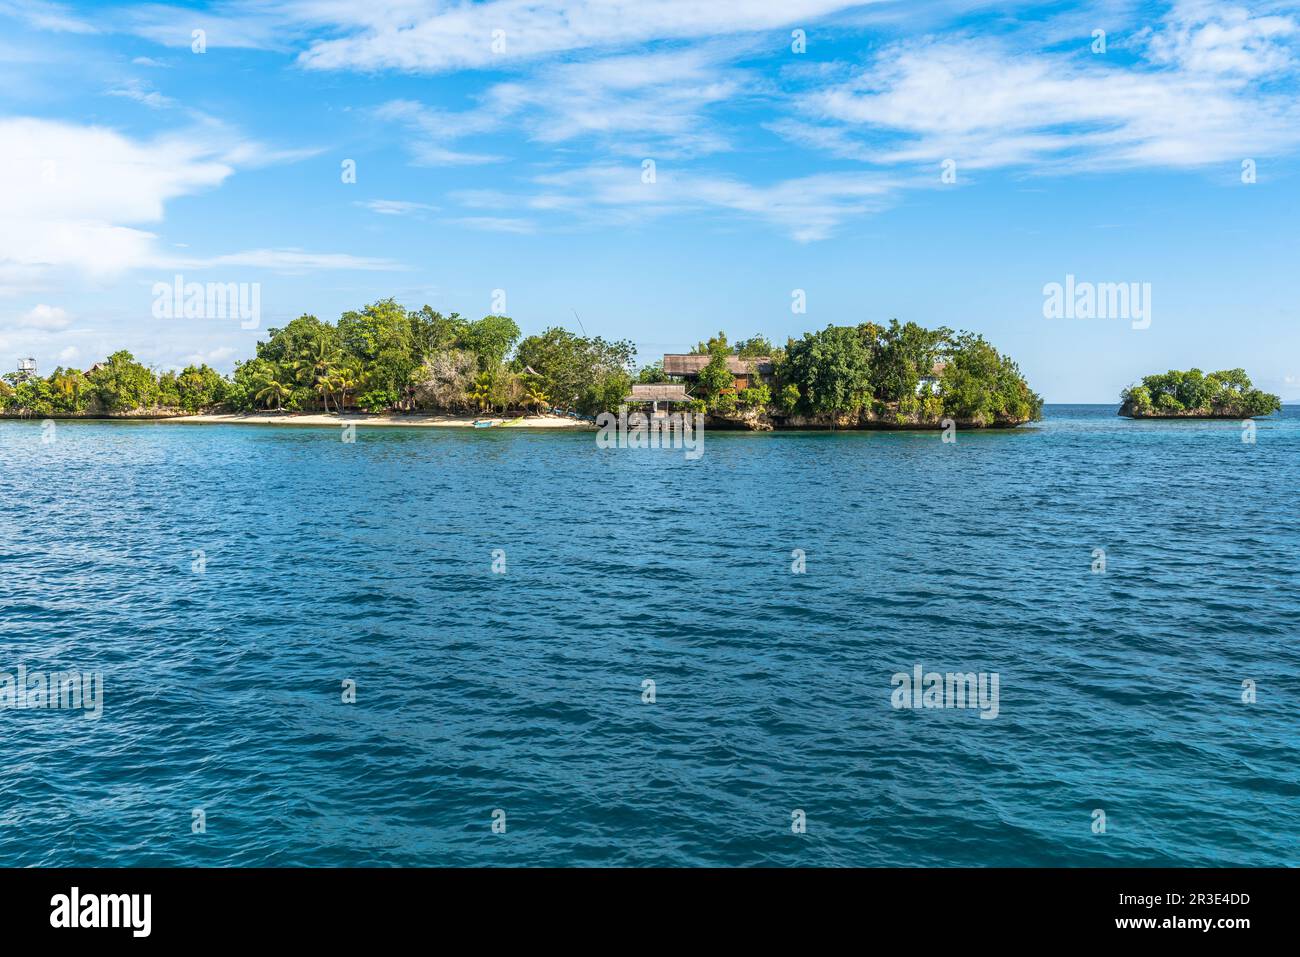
[[522, 691]]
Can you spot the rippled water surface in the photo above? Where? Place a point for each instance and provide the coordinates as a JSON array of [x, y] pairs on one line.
[[522, 691]]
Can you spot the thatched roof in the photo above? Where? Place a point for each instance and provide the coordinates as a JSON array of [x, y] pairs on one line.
[[692, 365], [659, 392]]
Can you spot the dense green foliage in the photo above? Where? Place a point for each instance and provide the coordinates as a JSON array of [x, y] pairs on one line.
[[382, 357], [385, 357], [192, 389], [379, 358], [888, 372], [981, 385], [902, 374], [1191, 393], [119, 385], [831, 370], [589, 375]]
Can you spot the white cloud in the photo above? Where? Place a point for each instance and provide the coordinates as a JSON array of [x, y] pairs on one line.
[[62, 171], [247, 25], [396, 207], [410, 37], [434, 129], [45, 317], [77, 196], [986, 104], [139, 91], [834, 140], [1208, 83], [210, 358], [1210, 38], [43, 15], [808, 208], [72, 190], [497, 224], [70, 354], [1181, 95], [634, 105], [286, 261], [635, 102]]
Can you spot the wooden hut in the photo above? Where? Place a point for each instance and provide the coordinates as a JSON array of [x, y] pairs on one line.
[[665, 392], [748, 371]]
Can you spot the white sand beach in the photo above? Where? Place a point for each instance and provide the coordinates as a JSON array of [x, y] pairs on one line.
[[414, 420]]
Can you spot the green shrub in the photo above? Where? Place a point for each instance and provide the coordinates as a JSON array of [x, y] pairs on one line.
[[377, 400]]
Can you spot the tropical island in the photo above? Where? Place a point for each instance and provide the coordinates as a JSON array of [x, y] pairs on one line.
[[401, 364], [900, 376], [1194, 395]]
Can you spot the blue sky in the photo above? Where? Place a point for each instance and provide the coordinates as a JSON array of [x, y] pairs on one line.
[[515, 161]]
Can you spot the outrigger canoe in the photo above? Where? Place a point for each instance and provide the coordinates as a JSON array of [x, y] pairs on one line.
[[494, 423]]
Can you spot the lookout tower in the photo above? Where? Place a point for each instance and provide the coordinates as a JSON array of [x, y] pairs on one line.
[[26, 369]]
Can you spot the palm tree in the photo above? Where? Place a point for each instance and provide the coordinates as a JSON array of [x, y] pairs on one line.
[[482, 394], [536, 397], [316, 367], [347, 378], [69, 386], [272, 388]]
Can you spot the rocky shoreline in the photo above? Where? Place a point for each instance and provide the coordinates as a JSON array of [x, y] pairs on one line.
[[1128, 412], [864, 422]]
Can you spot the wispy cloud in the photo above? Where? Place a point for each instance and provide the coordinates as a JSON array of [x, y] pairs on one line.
[[138, 90], [288, 261], [1204, 38], [434, 129], [238, 24], [583, 89], [1189, 90], [42, 15], [633, 104], [496, 224], [808, 208], [396, 207], [498, 33], [988, 104]]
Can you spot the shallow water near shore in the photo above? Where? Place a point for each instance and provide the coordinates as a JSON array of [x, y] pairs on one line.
[[323, 561]]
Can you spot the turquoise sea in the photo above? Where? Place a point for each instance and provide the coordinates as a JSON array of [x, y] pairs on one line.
[[225, 581]]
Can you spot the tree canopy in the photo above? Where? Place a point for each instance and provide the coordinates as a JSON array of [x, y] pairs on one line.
[[901, 372], [1228, 393], [380, 357], [576, 371], [385, 357]]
